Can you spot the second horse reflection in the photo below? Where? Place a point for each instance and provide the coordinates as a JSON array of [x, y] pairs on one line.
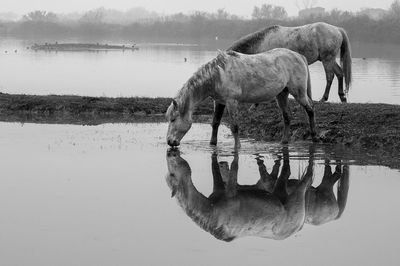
[[275, 207]]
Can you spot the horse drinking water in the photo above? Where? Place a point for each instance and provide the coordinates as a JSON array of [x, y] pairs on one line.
[[232, 78]]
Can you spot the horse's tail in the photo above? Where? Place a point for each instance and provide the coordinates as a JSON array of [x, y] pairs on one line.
[[345, 58]]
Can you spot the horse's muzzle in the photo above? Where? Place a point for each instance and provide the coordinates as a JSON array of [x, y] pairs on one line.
[[173, 143], [173, 152]]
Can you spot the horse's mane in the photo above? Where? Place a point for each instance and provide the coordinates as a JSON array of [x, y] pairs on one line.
[[206, 76], [247, 43]]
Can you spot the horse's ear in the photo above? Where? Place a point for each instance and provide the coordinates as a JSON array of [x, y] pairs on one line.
[[173, 192], [175, 104]]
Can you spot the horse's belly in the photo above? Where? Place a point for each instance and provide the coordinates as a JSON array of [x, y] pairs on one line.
[[257, 95]]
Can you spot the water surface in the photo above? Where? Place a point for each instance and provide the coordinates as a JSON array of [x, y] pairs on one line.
[[99, 195], [160, 70]]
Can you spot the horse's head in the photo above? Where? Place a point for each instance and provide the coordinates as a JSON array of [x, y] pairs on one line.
[[179, 123], [178, 170]]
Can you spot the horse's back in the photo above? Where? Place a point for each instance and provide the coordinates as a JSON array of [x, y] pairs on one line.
[[261, 77], [311, 40], [293, 63], [315, 41]]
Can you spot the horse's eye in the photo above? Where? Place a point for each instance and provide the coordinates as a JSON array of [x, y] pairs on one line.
[[173, 119]]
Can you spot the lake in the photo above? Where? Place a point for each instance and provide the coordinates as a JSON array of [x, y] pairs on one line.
[[101, 195], [160, 70]]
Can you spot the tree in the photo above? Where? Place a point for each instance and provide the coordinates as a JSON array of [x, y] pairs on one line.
[[306, 4], [394, 10], [279, 13], [95, 16], [222, 14], [39, 15], [267, 11]]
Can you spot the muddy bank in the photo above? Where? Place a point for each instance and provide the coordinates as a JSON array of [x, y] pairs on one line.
[[371, 126], [67, 109]]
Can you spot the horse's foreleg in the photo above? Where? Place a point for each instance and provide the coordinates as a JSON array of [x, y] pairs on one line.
[[282, 100], [339, 74], [328, 67], [233, 115], [218, 113]]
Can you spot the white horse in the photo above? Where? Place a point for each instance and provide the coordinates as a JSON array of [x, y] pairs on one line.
[[232, 78], [317, 42]]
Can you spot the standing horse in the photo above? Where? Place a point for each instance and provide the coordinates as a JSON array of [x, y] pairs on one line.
[[317, 42], [231, 78]]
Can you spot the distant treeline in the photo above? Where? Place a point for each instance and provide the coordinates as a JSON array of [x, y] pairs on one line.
[[360, 26]]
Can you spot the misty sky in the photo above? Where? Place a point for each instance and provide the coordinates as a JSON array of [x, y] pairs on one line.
[[241, 7]]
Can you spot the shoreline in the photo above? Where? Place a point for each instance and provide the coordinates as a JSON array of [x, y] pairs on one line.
[[369, 126]]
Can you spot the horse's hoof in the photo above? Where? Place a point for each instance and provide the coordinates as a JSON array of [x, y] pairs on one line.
[[343, 100], [323, 99], [213, 143], [284, 141]]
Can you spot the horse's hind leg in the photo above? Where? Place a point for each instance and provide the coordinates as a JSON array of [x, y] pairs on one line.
[[328, 67], [295, 204], [280, 188], [282, 100], [267, 181], [232, 106], [329, 179], [218, 113], [339, 74], [304, 101]]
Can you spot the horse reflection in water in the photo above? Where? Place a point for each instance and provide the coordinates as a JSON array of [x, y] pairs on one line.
[[321, 204], [275, 207]]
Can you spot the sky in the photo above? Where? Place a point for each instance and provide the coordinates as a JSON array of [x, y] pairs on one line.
[[239, 7]]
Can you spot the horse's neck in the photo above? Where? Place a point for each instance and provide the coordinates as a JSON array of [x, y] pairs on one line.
[[201, 85], [190, 198], [194, 96]]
